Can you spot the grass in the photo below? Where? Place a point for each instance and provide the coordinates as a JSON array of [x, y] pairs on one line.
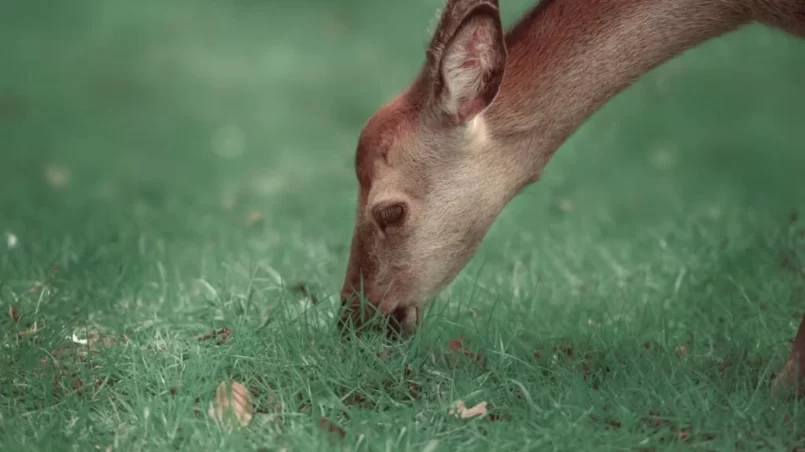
[[172, 168]]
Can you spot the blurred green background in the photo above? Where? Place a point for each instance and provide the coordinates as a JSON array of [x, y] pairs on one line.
[[146, 146], [177, 118]]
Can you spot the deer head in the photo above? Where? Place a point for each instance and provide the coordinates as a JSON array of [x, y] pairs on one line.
[[432, 178]]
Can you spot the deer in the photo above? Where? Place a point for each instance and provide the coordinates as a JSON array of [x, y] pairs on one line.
[[439, 161]]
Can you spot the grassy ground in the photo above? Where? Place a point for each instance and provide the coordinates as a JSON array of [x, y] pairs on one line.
[[172, 168]]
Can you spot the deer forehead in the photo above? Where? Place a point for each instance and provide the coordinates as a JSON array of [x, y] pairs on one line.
[[397, 154], [382, 136]]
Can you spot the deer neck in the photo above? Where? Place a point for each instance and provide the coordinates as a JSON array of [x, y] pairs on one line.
[[568, 57]]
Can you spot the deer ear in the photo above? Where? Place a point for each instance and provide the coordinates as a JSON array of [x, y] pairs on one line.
[[466, 59]]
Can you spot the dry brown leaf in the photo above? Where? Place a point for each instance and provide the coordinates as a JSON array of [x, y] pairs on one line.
[[457, 346], [463, 412], [232, 400], [565, 205], [253, 218], [331, 427], [221, 335], [12, 312], [57, 176], [30, 330], [95, 340]]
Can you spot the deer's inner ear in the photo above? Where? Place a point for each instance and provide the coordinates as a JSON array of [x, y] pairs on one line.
[[470, 64]]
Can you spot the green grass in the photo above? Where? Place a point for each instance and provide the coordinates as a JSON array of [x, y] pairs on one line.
[[137, 137]]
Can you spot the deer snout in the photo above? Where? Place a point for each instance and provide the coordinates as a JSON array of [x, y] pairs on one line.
[[358, 314], [355, 308]]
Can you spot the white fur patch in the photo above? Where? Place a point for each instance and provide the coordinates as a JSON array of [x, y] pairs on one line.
[[466, 61], [479, 134]]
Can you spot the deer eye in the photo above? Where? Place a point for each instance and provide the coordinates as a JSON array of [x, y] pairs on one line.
[[390, 215]]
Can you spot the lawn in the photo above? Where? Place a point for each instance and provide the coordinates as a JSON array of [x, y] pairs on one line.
[[170, 169]]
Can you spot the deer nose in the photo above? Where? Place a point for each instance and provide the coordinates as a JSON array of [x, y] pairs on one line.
[[353, 311]]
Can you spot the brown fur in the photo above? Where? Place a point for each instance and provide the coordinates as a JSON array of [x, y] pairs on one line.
[[391, 122], [487, 111]]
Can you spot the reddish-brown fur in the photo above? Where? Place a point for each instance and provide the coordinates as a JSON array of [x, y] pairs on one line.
[[388, 125], [486, 112]]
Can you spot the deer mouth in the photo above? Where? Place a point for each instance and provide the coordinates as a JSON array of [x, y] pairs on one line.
[[363, 317]]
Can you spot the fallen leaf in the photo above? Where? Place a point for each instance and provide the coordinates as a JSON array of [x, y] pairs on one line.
[[331, 427], [253, 218], [221, 335], [11, 240], [95, 339], [495, 415], [232, 400], [30, 330], [499, 417], [610, 422], [431, 445], [77, 340], [383, 354], [457, 345], [57, 176], [12, 313], [565, 205], [463, 412], [563, 349], [654, 419], [413, 389]]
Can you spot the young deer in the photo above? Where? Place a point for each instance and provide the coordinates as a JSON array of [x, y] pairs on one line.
[[437, 163]]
